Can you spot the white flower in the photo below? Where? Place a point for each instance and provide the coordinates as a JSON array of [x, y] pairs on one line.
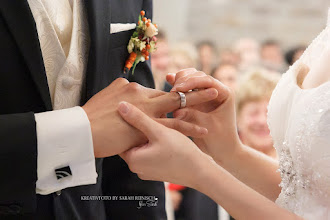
[[130, 45], [152, 46], [151, 30], [142, 45]]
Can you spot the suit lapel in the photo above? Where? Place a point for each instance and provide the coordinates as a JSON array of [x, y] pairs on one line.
[[99, 19], [21, 23]]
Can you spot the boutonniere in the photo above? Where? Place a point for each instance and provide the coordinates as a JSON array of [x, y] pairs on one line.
[[142, 43]]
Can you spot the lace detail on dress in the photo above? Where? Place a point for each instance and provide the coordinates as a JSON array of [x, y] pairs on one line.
[[303, 177]]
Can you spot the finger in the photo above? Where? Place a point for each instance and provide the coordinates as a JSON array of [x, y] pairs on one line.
[[172, 101], [135, 158], [185, 128], [153, 93], [134, 87], [184, 72], [188, 115], [181, 77], [170, 78], [194, 81], [135, 117], [205, 82]]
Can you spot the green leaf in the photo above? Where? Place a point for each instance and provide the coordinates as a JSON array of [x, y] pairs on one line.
[[140, 18], [135, 34], [134, 66]]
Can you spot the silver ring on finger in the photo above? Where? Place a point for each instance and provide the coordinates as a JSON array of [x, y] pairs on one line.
[[183, 100]]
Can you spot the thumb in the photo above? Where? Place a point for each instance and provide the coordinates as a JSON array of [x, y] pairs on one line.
[[135, 117], [170, 78]]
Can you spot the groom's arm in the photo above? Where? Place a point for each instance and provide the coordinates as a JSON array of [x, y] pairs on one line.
[[18, 163], [33, 147], [65, 150]]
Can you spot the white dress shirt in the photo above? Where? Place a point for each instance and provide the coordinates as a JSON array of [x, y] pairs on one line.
[[64, 135]]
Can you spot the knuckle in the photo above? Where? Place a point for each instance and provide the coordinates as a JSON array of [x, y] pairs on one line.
[[134, 87], [121, 81], [185, 72], [201, 73]]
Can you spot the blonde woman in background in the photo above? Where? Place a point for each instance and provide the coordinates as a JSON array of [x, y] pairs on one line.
[[183, 55], [253, 96]]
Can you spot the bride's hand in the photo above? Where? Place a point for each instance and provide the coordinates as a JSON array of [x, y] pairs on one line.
[[168, 155], [218, 115]]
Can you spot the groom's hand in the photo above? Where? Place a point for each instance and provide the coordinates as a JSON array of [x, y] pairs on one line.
[[112, 135]]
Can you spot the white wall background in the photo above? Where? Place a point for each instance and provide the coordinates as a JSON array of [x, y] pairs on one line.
[[224, 21]]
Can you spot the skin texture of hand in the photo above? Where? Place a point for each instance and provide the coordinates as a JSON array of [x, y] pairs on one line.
[[167, 156], [171, 156], [217, 115], [111, 135]]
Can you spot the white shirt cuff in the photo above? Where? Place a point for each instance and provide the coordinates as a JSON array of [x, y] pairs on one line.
[[64, 139]]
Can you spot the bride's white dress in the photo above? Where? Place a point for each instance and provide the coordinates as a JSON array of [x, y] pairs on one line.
[[299, 121]]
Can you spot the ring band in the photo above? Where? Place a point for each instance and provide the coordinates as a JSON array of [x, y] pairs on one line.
[[183, 100]]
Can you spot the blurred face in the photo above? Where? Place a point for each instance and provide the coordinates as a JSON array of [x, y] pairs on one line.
[[206, 55], [180, 61], [229, 57], [227, 74], [253, 128], [160, 58], [272, 54]]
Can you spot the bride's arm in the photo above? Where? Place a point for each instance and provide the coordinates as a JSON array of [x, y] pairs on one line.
[[253, 168], [170, 156], [238, 199], [222, 143]]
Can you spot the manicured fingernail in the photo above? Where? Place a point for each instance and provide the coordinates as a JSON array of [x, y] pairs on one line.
[[181, 115], [123, 107]]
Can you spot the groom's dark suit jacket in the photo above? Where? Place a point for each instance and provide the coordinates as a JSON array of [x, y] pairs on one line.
[[24, 91]]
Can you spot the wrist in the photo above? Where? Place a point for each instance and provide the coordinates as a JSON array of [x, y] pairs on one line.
[[202, 172], [234, 149], [94, 138]]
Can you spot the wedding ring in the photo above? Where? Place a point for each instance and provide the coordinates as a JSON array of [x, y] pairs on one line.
[[183, 100]]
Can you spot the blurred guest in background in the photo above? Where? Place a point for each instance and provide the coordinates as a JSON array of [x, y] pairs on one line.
[[293, 54], [229, 56], [227, 74], [272, 56], [160, 61], [248, 51], [183, 55], [188, 203], [253, 96], [207, 56]]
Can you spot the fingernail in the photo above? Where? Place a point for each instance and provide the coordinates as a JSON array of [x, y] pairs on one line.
[[181, 115], [211, 92], [203, 130], [123, 108]]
